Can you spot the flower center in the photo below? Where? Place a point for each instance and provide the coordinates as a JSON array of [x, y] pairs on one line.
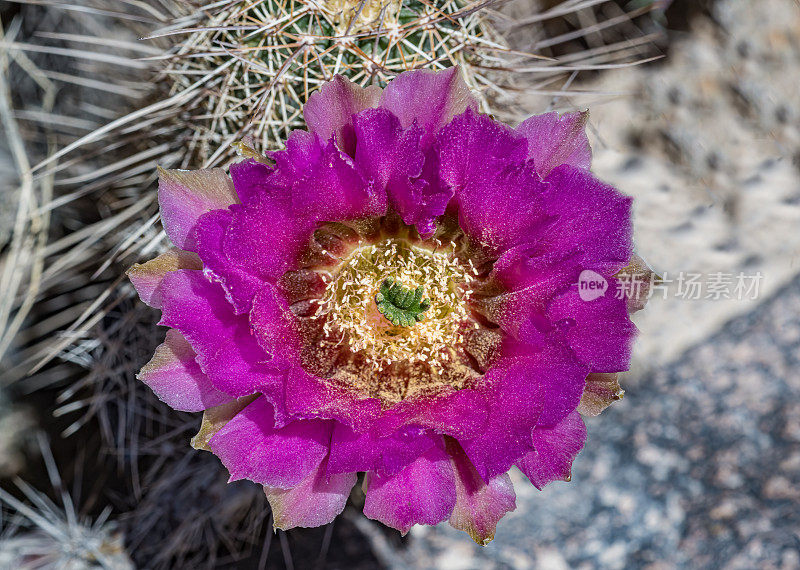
[[400, 310]]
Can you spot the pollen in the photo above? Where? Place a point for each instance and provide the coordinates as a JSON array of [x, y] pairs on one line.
[[401, 310]]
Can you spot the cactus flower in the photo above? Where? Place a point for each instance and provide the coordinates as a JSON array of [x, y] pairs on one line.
[[394, 295]]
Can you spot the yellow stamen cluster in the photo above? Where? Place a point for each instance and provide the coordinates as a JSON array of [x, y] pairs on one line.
[[351, 315]]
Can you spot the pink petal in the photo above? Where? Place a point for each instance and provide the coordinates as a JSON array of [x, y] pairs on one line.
[[518, 315], [316, 501], [275, 327], [515, 404], [315, 180], [422, 493], [313, 397], [303, 149], [554, 140], [479, 505], [252, 448], [431, 98], [500, 197], [591, 217], [265, 238], [532, 279], [226, 349], [460, 413], [562, 378], [185, 195], [599, 331], [215, 418], [391, 157], [251, 179], [176, 378], [555, 450], [527, 266], [240, 286], [351, 451], [334, 189], [473, 148], [312, 183], [505, 210], [540, 388], [386, 152], [147, 277], [329, 111]]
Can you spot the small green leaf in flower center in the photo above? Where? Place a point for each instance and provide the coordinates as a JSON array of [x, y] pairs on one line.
[[401, 306]]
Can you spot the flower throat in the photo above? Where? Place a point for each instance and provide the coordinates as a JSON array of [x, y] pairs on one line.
[[396, 312]]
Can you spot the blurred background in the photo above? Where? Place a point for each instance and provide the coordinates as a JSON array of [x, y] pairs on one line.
[[694, 111]]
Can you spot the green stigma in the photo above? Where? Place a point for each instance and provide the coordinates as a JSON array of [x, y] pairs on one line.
[[401, 306]]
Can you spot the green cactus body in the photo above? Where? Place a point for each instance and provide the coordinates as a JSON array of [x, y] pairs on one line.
[[264, 59]]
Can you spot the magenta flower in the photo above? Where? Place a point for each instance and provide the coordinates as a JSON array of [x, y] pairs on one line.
[[395, 294]]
